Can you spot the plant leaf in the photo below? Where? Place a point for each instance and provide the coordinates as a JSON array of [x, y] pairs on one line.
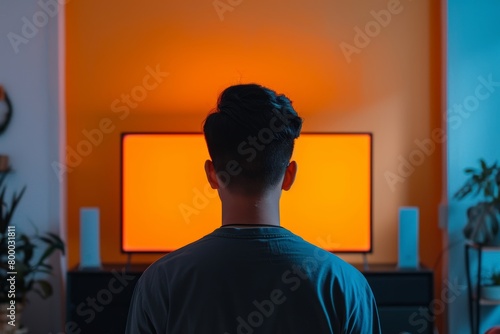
[[483, 164], [13, 205], [45, 290], [494, 222], [46, 240], [464, 191], [46, 254], [27, 246], [469, 171], [476, 228], [58, 242], [46, 265], [488, 189]]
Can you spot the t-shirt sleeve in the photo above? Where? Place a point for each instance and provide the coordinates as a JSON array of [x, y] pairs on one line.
[[361, 308], [139, 317]]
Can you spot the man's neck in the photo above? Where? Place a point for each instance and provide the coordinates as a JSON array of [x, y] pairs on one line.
[[247, 212]]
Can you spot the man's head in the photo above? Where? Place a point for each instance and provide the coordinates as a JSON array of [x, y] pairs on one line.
[[250, 137]]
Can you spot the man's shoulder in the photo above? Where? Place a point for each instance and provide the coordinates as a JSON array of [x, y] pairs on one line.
[[229, 245], [185, 255], [324, 256]]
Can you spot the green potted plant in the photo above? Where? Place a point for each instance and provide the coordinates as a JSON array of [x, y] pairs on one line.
[[482, 218], [491, 290], [27, 263]]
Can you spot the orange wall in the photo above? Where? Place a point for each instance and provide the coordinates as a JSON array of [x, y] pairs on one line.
[[390, 88]]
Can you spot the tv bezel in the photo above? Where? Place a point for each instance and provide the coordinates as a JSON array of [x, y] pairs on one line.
[[124, 134]]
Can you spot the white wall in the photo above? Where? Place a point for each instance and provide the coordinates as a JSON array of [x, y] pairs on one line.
[[473, 53], [30, 74]]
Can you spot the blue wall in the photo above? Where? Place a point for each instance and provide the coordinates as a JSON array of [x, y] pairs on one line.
[[473, 125]]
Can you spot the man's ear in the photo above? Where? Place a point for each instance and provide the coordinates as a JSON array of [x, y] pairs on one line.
[[211, 174], [290, 173]]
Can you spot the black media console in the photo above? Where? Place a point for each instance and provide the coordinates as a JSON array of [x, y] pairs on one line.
[[98, 300]]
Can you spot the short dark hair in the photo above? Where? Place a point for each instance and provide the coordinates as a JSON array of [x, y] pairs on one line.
[[250, 137]]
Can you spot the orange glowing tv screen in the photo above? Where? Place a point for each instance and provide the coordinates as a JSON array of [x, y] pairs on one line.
[[166, 201]]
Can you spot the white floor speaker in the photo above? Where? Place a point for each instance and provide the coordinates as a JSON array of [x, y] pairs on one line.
[[90, 253], [408, 237]]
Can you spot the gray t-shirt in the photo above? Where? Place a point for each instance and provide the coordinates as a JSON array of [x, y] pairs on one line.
[[252, 280]]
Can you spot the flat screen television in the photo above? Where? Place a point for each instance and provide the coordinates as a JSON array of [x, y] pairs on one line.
[[166, 201]]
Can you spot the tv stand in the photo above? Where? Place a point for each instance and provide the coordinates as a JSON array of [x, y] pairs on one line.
[[98, 299], [404, 297]]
